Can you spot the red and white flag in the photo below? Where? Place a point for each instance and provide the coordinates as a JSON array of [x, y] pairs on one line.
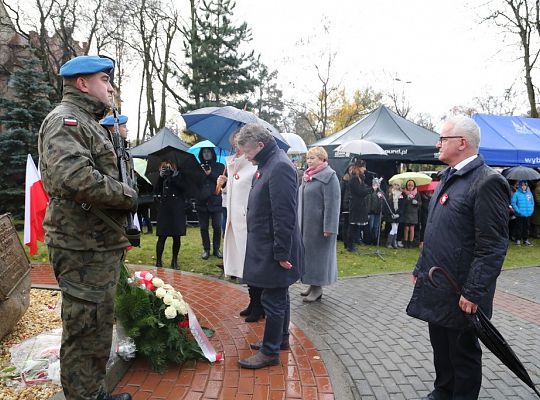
[[35, 204]]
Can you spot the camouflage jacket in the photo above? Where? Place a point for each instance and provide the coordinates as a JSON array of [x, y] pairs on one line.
[[78, 165]]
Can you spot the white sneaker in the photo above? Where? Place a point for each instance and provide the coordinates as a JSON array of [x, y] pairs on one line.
[[518, 242], [527, 243]]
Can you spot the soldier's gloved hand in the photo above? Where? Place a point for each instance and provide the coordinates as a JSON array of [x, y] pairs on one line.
[[131, 197]]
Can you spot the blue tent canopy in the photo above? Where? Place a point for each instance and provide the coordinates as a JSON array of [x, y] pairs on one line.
[[508, 140]]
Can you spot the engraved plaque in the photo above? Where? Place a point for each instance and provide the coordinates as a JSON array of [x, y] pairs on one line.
[[14, 263]]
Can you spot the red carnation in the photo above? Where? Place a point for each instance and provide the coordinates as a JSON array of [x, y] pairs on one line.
[[183, 324]]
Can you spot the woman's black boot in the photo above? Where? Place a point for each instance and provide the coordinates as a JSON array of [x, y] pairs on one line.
[[246, 311], [160, 245], [257, 310], [176, 250]]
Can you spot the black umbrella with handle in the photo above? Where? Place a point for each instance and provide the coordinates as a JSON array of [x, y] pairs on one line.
[[489, 335]]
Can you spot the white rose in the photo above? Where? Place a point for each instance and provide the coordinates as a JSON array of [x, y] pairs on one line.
[[170, 312], [167, 287], [167, 299], [157, 282], [178, 295], [160, 292], [181, 307]]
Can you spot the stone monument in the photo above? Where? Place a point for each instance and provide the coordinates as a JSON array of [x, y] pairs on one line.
[[15, 278]]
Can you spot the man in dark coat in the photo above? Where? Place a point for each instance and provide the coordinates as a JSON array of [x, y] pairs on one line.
[[274, 251], [209, 203], [467, 235]]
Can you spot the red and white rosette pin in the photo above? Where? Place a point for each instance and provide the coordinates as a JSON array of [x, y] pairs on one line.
[[258, 174], [236, 176], [443, 199]]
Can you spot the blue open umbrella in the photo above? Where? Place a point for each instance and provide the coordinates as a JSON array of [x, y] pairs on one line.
[[218, 123], [220, 153]]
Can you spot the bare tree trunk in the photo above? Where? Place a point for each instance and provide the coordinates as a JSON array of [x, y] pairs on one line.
[[194, 44], [324, 96], [518, 22], [139, 111]]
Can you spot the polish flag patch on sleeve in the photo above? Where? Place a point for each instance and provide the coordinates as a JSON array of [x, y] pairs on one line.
[[70, 122]]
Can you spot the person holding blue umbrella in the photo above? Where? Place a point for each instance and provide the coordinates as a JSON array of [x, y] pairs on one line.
[[220, 153]]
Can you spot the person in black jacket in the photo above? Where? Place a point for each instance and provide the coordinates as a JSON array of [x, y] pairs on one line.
[[391, 211], [171, 219], [144, 202], [358, 212], [467, 235], [345, 204], [209, 205]]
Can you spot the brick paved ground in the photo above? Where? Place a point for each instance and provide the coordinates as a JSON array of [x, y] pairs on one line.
[[362, 323], [301, 374], [370, 349]]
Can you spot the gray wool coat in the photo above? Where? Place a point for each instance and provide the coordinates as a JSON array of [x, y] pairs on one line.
[[318, 212]]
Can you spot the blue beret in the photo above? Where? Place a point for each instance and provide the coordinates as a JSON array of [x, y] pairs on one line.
[[109, 120], [86, 65]]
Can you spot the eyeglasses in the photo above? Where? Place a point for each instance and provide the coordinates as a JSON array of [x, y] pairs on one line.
[[443, 139]]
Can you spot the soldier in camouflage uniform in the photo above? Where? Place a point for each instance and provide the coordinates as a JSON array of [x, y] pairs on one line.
[[79, 165]]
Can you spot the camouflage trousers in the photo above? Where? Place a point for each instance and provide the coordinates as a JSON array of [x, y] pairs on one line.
[[88, 282]]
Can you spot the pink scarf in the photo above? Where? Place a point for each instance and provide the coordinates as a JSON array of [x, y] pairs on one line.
[[308, 174], [411, 194]]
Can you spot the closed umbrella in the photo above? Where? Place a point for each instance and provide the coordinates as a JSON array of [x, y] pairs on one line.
[[489, 335], [418, 178], [218, 123]]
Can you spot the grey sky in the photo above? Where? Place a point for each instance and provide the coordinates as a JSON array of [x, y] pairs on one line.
[[439, 46]]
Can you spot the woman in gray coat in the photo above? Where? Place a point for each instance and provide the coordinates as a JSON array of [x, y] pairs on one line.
[[319, 200]]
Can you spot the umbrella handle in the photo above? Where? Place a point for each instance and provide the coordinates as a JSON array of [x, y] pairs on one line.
[[217, 190], [446, 274]]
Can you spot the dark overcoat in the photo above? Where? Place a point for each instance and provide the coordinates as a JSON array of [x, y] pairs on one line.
[[358, 205], [466, 234], [273, 233], [171, 218], [208, 200], [410, 209]]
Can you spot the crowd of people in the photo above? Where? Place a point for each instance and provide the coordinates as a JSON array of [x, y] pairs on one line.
[[368, 212], [277, 231], [399, 214]]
